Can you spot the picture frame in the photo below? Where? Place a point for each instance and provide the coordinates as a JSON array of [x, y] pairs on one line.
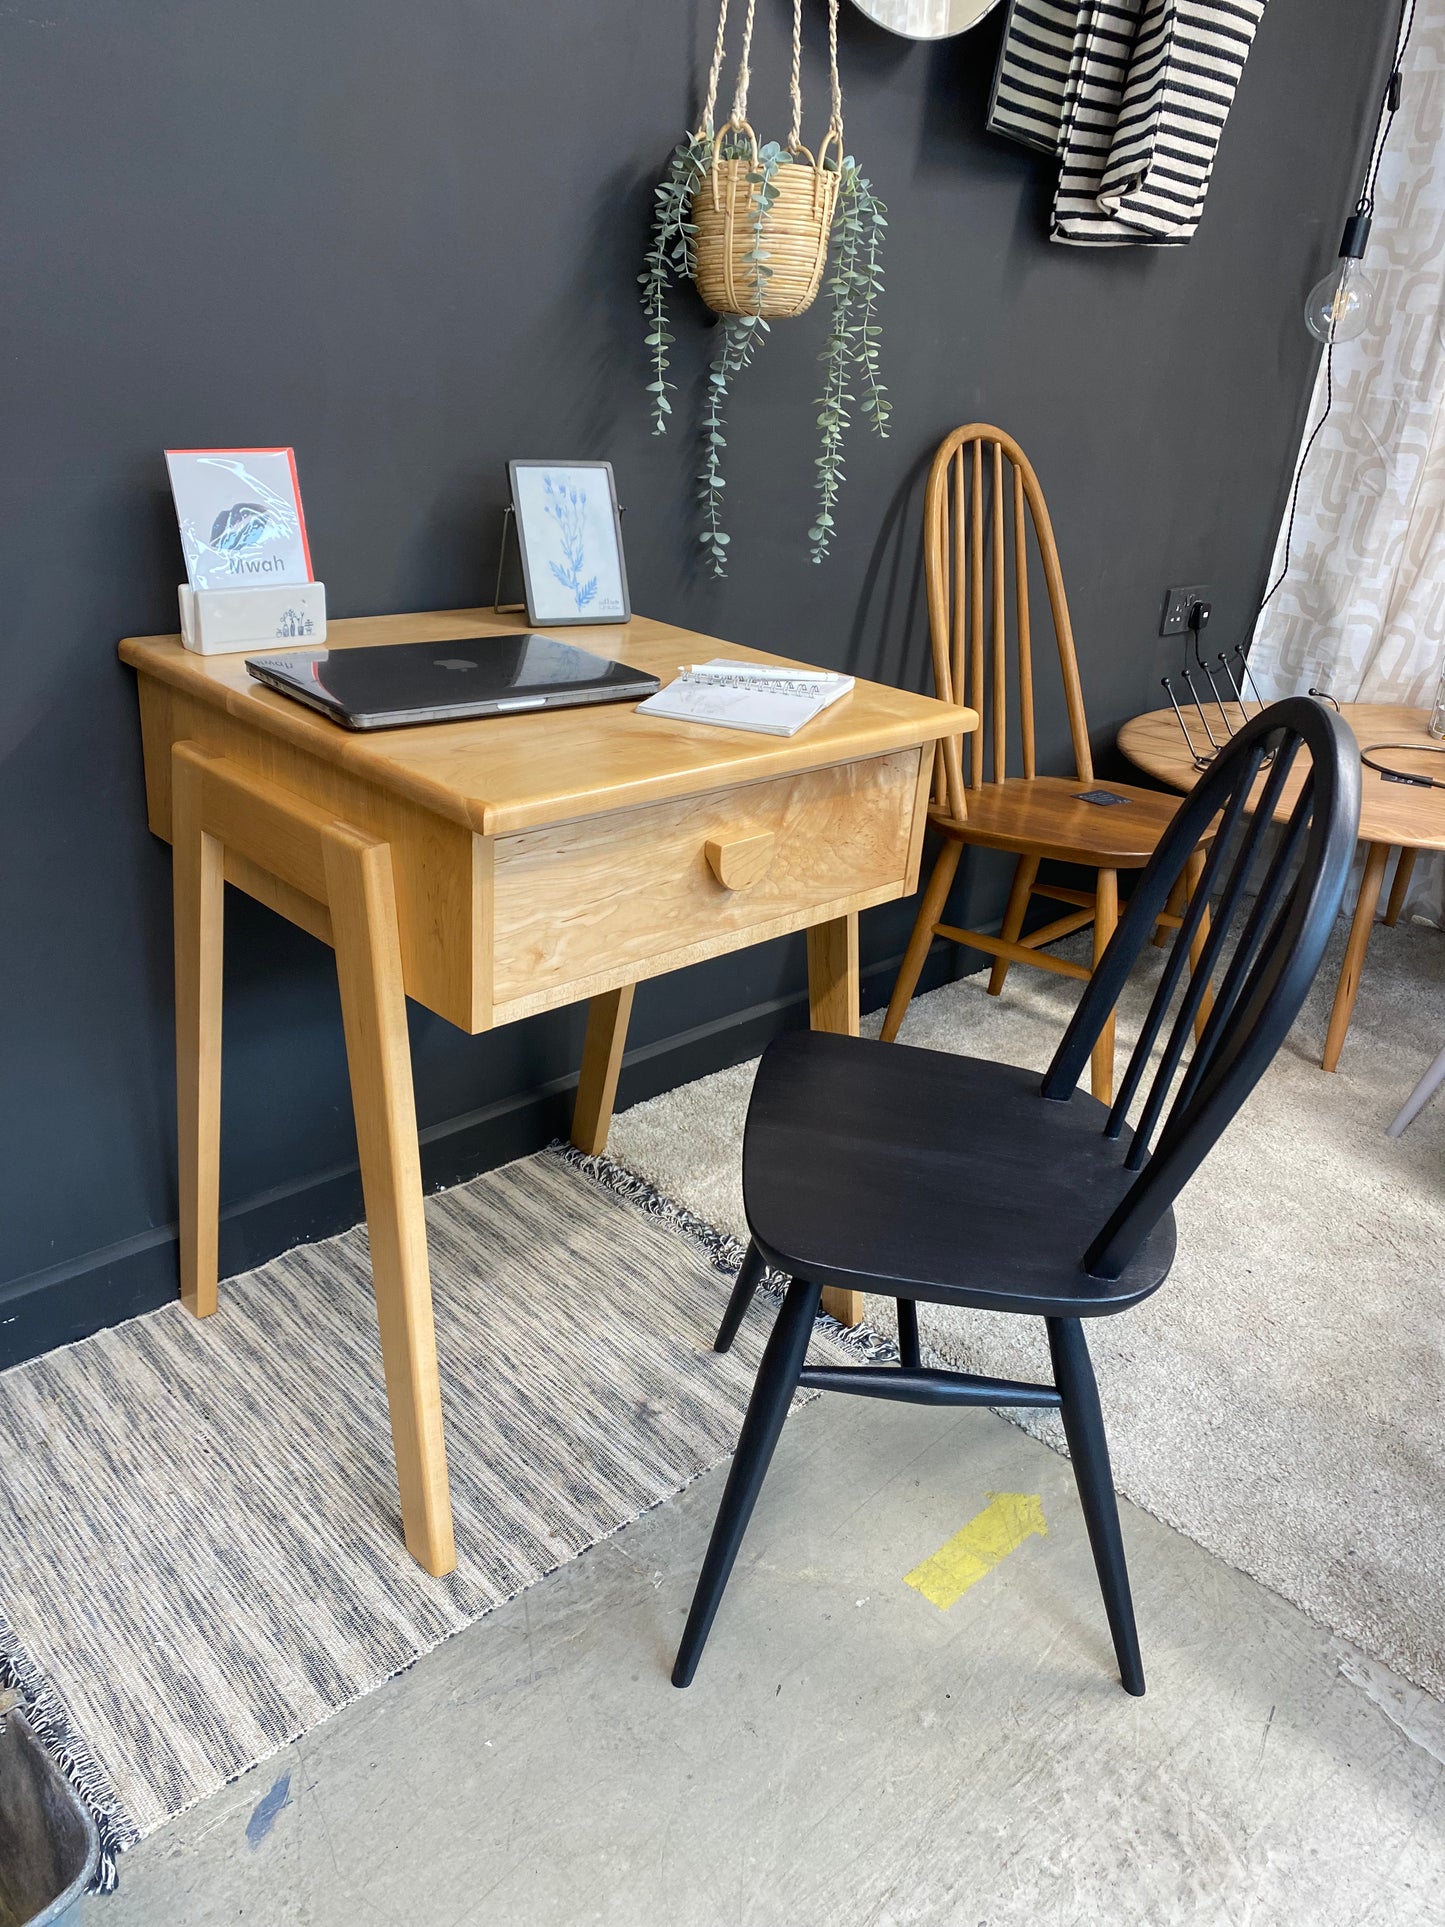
[[569, 535]]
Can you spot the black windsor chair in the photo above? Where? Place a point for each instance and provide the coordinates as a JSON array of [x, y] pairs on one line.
[[921, 1175]]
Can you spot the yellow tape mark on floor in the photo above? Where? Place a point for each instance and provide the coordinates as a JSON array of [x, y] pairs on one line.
[[1001, 1528]]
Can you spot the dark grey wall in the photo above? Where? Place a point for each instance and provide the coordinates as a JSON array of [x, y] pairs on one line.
[[405, 240]]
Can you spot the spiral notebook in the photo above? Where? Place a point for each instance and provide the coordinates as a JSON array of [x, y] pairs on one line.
[[765, 697]]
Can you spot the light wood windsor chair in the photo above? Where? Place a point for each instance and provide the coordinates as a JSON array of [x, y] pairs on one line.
[[1108, 828]]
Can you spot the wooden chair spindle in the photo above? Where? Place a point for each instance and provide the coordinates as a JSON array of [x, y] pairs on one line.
[[975, 614], [1021, 598], [1000, 635]]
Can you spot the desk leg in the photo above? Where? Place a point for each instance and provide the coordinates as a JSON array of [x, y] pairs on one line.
[[607, 1019], [833, 976], [833, 1005], [199, 892], [1365, 905], [373, 1006]]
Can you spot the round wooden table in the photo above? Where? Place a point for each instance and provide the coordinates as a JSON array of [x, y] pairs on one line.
[[1393, 816]]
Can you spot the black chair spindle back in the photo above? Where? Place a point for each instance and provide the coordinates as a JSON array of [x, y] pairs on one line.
[[1278, 941]]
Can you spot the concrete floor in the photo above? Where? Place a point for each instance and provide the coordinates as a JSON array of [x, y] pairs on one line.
[[849, 1753]]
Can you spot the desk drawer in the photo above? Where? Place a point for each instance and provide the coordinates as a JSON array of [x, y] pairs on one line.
[[635, 890]]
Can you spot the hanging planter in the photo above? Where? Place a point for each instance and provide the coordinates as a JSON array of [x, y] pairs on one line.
[[749, 214], [758, 229]]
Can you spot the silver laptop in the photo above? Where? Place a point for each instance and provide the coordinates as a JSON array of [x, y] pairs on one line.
[[440, 682]]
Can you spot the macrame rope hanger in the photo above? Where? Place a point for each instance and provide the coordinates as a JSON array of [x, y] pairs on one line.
[[738, 115]]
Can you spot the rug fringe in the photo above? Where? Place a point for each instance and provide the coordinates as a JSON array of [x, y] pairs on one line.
[[50, 1723], [725, 1252]]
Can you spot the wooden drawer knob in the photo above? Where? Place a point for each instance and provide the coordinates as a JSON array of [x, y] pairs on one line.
[[741, 860]]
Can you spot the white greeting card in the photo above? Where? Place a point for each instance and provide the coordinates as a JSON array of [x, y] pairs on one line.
[[239, 511]]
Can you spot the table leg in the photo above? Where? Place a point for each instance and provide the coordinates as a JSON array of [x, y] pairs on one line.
[[199, 897], [607, 1020], [362, 903], [1418, 1098], [1404, 869], [833, 1005], [1377, 855]]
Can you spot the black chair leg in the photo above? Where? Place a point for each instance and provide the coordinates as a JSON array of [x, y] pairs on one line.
[[1084, 1429], [777, 1381], [908, 1348], [750, 1276]]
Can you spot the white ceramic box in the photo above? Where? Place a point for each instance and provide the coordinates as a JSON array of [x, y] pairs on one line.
[[217, 622]]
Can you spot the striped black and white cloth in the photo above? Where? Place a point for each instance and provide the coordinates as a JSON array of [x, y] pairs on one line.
[[1132, 95]]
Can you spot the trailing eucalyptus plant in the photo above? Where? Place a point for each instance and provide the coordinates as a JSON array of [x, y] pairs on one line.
[[850, 356], [670, 256], [851, 351]]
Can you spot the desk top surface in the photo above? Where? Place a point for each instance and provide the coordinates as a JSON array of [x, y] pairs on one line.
[[506, 773], [1394, 813]]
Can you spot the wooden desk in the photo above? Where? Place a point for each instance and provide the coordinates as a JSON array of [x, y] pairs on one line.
[[492, 870], [1393, 816]]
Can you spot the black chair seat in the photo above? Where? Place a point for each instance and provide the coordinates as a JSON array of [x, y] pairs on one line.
[[917, 1173]]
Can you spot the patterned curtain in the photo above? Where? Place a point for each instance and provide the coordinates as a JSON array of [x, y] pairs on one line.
[[1361, 611]]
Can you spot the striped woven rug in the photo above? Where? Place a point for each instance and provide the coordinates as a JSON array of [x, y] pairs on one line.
[[203, 1553]]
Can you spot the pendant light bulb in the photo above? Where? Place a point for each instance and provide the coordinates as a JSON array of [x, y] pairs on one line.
[[1339, 307]]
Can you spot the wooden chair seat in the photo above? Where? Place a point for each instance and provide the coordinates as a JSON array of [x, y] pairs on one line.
[[1044, 816], [861, 1163]]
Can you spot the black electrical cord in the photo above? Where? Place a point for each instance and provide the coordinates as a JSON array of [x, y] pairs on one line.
[[1389, 107], [1268, 595], [1367, 757]]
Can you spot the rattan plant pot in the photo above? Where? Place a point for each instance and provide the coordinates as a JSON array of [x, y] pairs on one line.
[[794, 232]]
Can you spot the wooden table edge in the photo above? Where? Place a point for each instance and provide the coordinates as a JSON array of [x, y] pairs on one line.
[[270, 712]]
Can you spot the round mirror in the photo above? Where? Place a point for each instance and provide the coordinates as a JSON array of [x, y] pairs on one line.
[[926, 19]]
